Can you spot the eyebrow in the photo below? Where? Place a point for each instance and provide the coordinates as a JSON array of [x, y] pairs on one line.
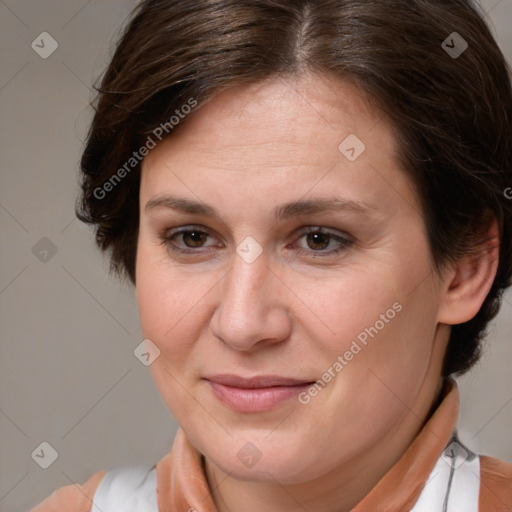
[[292, 209]]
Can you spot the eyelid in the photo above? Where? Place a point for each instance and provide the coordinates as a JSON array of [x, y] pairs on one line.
[[325, 230]]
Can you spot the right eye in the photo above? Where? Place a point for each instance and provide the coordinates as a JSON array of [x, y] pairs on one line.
[[193, 237]]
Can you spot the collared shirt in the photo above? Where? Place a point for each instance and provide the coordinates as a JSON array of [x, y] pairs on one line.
[[435, 474]]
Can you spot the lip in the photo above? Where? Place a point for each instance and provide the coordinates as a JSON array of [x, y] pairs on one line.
[[255, 394]]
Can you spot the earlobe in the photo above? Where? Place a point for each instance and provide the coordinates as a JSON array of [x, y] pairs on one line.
[[469, 280]]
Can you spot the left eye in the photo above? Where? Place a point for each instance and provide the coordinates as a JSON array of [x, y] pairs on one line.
[[318, 240]]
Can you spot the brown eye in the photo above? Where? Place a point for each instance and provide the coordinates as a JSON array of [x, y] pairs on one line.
[[194, 238], [318, 241], [189, 239]]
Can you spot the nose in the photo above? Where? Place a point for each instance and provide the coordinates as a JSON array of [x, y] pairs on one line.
[[252, 307]]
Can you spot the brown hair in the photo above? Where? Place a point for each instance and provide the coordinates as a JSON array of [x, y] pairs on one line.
[[452, 114]]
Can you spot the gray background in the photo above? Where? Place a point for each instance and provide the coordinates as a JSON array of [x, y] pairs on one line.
[[68, 375]]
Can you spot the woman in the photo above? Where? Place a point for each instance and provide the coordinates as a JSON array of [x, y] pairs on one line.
[[310, 198]]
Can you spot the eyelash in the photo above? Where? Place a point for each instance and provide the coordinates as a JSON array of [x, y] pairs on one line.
[[167, 240]]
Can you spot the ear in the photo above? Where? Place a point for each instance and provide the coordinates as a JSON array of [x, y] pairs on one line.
[[468, 281]]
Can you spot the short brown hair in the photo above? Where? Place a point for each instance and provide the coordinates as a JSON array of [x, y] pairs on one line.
[[451, 114]]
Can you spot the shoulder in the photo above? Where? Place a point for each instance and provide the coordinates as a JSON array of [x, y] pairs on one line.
[[132, 488], [495, 485], [72, 498]]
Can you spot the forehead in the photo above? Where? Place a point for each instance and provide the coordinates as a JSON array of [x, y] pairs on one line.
[[281, 132], [280, 117]]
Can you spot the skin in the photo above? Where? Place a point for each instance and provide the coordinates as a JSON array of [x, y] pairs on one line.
[[292, 311]]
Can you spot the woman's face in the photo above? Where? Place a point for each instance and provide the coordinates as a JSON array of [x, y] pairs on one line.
[[246, 292]]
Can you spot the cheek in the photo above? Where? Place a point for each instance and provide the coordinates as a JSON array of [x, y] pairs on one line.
[[168, 310], [396, 354], [347, 305], [381, 320], [173, 303], [161, 301]]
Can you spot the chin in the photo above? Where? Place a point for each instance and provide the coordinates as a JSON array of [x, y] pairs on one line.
[[278, 460]]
